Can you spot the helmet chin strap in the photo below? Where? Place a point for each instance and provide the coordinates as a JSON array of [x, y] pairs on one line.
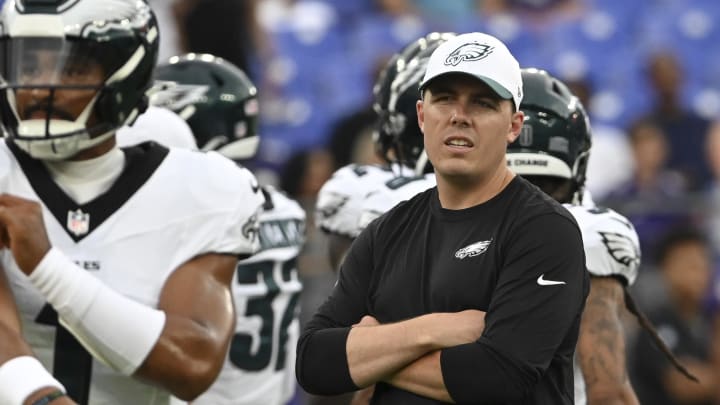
[[54, 149]]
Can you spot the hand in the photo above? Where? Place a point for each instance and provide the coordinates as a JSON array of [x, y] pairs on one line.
[[456, 328], [22, 230]]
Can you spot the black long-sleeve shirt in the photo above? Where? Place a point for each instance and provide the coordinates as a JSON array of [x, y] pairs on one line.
[[518, 256]]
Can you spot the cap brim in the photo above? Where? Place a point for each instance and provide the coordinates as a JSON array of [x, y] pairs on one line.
[[495, 86]]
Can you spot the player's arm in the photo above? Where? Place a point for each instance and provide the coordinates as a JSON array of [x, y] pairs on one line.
[[9, 318], [199, 320], [601, 345], [23, 377], [179, 347]]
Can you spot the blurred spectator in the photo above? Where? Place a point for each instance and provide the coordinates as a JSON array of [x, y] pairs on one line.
[[351, 139], [712, 202], [684, 259], [651, 178], [686, 131], [305, 173], [397, 8], [314, 59], [610, 144], [225, 28], [446, 11], [654, 199]]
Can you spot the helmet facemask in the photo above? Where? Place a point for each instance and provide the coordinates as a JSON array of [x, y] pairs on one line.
[[50, 91], [70, 77], [399, 138]]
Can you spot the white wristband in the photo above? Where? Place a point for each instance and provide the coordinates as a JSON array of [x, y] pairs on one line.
[[115, 329], [20, 377]]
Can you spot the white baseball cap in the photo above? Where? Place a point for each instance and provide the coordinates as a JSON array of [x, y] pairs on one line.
[[481, 56]]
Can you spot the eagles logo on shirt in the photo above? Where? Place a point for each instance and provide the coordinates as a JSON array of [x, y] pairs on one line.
[[468, 52], [472, 250]]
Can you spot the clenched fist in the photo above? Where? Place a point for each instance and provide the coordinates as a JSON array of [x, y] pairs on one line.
[[22, 230]]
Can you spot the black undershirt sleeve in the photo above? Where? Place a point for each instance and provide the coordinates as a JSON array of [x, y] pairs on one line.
[[321, 367], [528, 318]]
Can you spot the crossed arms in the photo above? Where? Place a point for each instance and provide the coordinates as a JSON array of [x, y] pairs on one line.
[[466, 356]]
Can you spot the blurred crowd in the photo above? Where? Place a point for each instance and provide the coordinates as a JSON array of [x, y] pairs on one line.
[[648, 71]]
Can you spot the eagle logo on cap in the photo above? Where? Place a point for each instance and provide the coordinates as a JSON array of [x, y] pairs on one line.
[[468, 52]]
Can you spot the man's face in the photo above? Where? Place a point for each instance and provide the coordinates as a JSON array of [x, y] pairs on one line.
[[466, 127], [41, 70]]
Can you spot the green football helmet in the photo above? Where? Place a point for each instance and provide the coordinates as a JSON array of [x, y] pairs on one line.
[[73, 71], [398, 136], [217, 100], [554, 145]]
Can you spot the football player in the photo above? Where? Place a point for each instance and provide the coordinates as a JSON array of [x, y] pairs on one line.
[[341, 205], [120, 260], [400, 140], [552, 152], [220, 104]]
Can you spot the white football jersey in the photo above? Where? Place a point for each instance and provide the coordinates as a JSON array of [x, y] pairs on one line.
[[612, 248], [166, 208], [340, 199], [391, 193], [260, 368], [159, 125]]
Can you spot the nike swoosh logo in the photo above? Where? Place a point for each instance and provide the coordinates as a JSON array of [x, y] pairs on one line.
[[541, 281]]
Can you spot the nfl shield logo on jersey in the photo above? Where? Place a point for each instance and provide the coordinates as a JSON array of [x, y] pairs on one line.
[[78, 222]]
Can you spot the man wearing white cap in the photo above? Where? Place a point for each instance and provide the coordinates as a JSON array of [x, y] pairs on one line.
[[472, 291]]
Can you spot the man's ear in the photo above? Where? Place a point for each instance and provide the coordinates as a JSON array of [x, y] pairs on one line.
[[420, 114], [516, 125]]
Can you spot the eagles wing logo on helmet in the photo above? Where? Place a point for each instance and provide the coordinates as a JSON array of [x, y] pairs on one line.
[[621, 248], [176, 96], [468, 52]]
